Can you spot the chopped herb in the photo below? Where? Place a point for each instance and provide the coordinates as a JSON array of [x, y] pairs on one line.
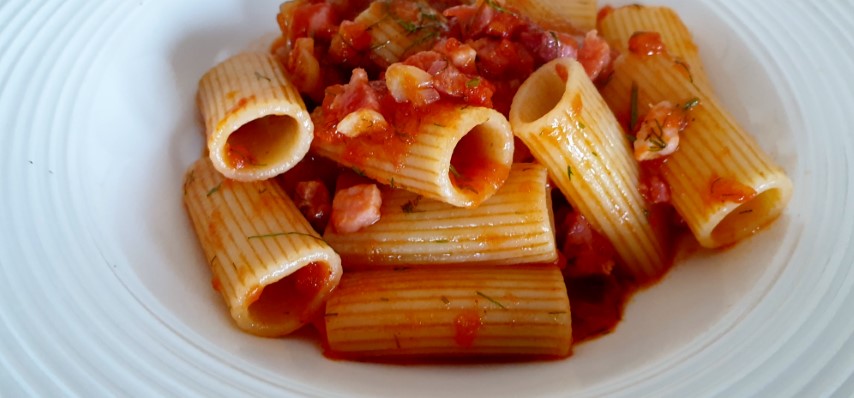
[[746, 211], [473, 83], [691, 103], [428, 15], [212, 260], [358, 171], [409, 207], [439, 241], [687, 68], [445, 300], [497, 7], [455, 172], [569, 172], [214, 189], [631, 138], [491, 300], [657, 139], [438, 125], [261, 77], [391, 183], [554, 35], [263, 190], [595, 154], [633, 115], [581, 125], [646, 213], [331, 314], [277, 234], [408, 26], [379, 46]]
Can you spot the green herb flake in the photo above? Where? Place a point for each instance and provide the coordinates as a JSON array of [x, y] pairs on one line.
[[473, 82], [410, 206], [379, 45], [569, 173], [259, 76], [491, 300], [687, 68], [214, 189], [691, 104], [278, 234], [358, 171], [454, 171], [633, 112], [445, 300], [440, 241], [497, 7]]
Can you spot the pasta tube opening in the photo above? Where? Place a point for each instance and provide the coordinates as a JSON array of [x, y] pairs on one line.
[[256, 123], [261, 142], [294, 294], [750, 216], [476, 158], [549, 88]]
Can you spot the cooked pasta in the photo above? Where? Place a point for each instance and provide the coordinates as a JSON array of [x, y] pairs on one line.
[[450, 312], [272, 270], [566, 124], [455, 154], [723, 184], [620, 24], [256, 123], [561, 15], [423, 139], [513, 227], [398, 27]]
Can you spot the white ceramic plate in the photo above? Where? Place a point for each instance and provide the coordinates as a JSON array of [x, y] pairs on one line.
[[103, 289]]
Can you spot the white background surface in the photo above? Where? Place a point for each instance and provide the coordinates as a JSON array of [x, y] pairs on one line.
[[103, 289]]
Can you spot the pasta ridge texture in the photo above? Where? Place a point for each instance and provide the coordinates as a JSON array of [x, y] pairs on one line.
[[559, 114], [256, 123], [514, 226], [482, 135], [270, 267], [714, 153]]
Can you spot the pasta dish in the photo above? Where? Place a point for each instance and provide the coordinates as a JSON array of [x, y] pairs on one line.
[[452, 179]]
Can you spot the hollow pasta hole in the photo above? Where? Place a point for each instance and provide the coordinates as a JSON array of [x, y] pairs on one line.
[[261, 142], [475, 161], [543, 91], [747, 218], [289, 296]]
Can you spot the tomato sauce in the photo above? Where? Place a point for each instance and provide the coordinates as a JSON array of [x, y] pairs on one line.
[[480, 56], [467, 324], [646, 43], [722, 190]]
